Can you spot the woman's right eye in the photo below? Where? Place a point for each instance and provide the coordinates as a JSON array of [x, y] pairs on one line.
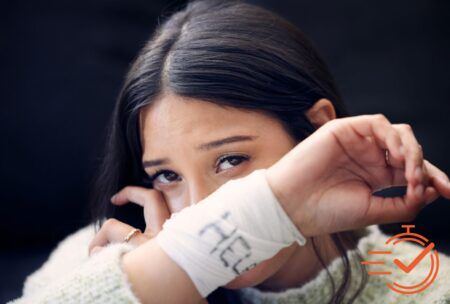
[[165, 177]]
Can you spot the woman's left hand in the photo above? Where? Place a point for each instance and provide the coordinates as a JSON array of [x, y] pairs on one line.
[[155, 214], [327, 183]]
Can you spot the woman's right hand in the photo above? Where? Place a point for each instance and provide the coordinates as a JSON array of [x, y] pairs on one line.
[[326, 182], [155, 210]]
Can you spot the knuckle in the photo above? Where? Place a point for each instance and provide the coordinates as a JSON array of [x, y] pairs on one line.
[[332, 123], [109, 223], [126, 190], [417, 152], [380, 118], [406, 127]]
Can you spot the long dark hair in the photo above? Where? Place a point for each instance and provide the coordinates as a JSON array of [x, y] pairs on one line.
[[228, 53]]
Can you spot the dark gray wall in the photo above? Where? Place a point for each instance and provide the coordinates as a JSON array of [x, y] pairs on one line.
[[389, 57]]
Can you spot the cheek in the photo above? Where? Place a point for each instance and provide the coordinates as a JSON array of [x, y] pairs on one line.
[[176, 205], [262, 271], [175, 200]]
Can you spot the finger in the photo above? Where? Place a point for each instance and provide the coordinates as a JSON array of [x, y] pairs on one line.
[[414, 170], [114, 231], [128, 194], [377, 127], [156, 211], [415, 194], [434, 183], [95, 250], [438, 179], [430, 195], [384, 210]]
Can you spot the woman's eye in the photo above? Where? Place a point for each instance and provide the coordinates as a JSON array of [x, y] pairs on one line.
[[230, 162], [165, 177]]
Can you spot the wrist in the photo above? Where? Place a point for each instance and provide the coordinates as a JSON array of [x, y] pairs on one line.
[[285, 192]]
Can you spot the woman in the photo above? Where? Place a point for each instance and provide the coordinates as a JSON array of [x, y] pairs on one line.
[[222, 90]]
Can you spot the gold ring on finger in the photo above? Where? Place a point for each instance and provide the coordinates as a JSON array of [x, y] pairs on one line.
[[131, 234], [386, 158]]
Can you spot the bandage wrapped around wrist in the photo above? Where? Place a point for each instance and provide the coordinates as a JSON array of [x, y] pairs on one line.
[[229, 232]]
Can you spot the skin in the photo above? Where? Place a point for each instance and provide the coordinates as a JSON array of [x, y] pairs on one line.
[[193, 174], [344, 159]]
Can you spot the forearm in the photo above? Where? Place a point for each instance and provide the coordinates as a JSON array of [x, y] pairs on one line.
[[208, 244], [156, 278]]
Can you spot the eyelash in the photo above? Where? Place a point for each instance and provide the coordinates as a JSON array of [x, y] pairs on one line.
[[241, 157]]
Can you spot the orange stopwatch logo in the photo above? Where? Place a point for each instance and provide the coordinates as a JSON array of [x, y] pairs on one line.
[[428, 250]]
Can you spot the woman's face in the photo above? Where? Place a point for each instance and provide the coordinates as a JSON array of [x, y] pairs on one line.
[[197, 146]]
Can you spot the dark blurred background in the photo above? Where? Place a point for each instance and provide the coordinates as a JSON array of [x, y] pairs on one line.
[[62, 64]]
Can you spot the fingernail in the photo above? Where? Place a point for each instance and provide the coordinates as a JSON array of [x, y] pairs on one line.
[[113, 197], [419, 190], [402, 150]]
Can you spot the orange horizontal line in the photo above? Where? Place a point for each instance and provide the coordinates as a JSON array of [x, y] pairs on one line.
[[379, 252], [378, 272], [372, 263]]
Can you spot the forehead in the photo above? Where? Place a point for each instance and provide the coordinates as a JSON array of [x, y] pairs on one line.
[[178, 121]]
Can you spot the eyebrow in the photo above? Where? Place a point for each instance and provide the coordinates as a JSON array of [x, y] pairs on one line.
[[206, 146]]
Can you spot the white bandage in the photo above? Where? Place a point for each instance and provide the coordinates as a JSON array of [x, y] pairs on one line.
[[231, 231]]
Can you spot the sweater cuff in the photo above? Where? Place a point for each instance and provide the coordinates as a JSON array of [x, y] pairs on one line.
[[99, 280]]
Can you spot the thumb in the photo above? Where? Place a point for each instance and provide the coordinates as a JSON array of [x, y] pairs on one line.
[[155, 207], [156, 212]]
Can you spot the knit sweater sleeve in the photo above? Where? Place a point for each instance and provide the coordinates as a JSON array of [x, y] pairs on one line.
[[71, 276], [70, 253]]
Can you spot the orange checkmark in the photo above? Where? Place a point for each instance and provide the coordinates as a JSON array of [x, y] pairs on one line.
[[408, 268]]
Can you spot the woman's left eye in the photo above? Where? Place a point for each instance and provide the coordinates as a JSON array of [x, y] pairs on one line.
[[230, 161]]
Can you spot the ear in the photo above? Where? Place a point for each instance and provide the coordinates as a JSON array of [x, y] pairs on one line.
[[321, 112]]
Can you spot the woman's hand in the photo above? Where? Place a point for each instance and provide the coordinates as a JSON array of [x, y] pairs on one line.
[[326, 182], [155, 214]]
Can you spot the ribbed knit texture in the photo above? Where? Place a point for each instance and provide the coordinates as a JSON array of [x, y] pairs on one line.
[[70, 276], [319, 290]]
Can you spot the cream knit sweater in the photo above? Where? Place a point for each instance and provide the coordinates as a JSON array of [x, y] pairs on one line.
[[70, 276]]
